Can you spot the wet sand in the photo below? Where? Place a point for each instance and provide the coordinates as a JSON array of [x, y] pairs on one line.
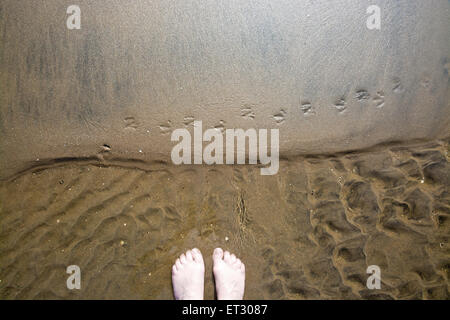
[[85, 123], [134, 73], [309, 232]]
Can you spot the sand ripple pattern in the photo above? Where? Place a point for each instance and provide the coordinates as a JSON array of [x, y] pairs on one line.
[[309, 232]]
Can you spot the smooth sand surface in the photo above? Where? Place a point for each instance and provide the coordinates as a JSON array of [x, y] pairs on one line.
[[309, 232], [135, 72]]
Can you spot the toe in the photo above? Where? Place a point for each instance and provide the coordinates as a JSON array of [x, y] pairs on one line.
[[174, 269], [226, 257], [189, 256], [178, 264], [243, 268], [197, 255], [218, 254], [183, 258], [233, 258], [237, 263]]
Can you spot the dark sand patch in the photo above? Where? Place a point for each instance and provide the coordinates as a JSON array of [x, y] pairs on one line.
[[308, 232]]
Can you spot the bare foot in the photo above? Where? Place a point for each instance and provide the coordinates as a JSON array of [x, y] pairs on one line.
[[188, 276], [229, 274]]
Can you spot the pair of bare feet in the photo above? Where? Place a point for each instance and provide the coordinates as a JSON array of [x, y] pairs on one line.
[[188, 275]]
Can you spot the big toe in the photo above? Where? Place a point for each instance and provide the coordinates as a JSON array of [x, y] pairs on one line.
[[189, 257], [217, 255]]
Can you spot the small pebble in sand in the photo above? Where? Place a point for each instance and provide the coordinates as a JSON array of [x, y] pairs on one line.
[[422, 181], [226, 239], [441, 244], [122, 243], [149, 274], [124, 224], [140, 151], [57, 221]]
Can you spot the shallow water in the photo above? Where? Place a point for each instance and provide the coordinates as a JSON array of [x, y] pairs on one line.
[[309, 232]]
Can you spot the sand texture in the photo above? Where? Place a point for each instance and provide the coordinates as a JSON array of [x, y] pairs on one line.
[[86, 118], [309, 232], [136, 72]]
